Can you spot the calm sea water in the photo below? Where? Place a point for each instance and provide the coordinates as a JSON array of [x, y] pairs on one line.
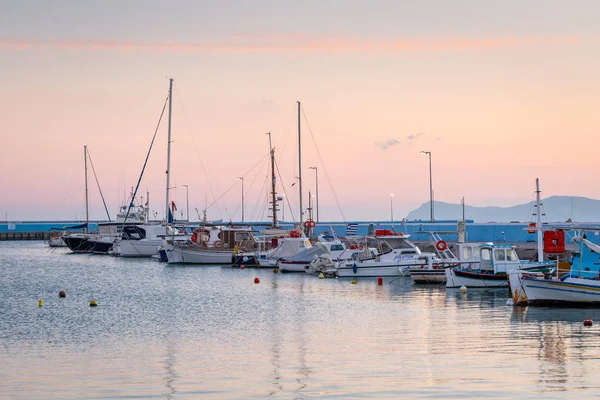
[[209, 332]]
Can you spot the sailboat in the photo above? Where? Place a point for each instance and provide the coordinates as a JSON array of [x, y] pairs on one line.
[[102, 240], [191, 252]]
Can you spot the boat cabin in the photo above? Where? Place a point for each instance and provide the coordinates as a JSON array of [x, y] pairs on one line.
[[499, 258]]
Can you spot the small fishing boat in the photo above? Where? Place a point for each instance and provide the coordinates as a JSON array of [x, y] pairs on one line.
[[495, 262], [579, 286]]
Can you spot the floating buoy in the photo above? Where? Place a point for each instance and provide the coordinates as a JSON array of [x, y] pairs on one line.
[[276, 270], [463, 289], [62, 293], [321, 276], [93, 303], [40, 302], [379, 280], [256, 280], [587, 322], [242, 266], [354, 281]]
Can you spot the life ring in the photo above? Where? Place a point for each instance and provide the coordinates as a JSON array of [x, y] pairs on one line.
[[309, 223], [194, 237], [218, 244], [441, 245], [531, 228]]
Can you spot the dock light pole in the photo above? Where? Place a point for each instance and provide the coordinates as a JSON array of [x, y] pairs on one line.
[[187, 203], [391, 207], [430, 186], [242, 179], [317, 191]]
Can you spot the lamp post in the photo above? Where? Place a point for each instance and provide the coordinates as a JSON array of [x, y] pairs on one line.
[[317, 191], [187, 203], [242, 179], [391, 207], [430, 186]]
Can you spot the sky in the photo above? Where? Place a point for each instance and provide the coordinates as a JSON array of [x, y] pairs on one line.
[[500, 93]]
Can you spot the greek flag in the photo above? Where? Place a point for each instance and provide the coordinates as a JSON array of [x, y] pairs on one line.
[[351, 229]]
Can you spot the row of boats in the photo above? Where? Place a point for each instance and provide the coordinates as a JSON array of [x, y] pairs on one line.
[[384, 254]]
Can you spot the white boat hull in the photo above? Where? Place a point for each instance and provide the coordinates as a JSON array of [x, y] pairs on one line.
[[56, 242], [292, 267], [190, 255], [139, 248], [474, 280], [530, 290], [364, 271]]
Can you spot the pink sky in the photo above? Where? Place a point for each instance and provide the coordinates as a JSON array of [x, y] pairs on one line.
[[496, 108]]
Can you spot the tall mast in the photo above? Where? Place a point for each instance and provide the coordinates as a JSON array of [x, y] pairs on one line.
[[300, 164], [87, 212], [273, 181], [538, 221], [169, 155]]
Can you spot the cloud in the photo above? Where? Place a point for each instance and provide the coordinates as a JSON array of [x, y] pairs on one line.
[[411, 138], [387, 144], [284, 44]]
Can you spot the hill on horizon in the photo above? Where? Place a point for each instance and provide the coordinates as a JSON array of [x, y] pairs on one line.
[[554, 209]]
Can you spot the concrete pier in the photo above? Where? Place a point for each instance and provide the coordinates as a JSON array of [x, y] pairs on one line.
[[24, 235]]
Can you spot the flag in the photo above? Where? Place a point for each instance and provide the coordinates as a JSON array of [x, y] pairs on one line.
[[351, 229], [173, 207]]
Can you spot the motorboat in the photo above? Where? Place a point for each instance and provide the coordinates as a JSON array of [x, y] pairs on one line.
[[394, 256]]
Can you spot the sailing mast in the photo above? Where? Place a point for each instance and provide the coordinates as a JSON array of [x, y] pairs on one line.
[[273, 181], [538, 221], [169, 155], [87, 215], [300, 164]]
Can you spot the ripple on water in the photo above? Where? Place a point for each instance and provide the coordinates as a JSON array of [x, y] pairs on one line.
[[187, 332]]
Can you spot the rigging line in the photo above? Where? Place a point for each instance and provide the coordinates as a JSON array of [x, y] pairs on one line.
[[259, 205], [287, 198], [146, 162], [258, 200], [98, 183], [248, 189], [265, 204], [324, 167], [204, 168], [235, 183]]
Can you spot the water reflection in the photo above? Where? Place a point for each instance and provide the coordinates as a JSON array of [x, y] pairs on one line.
[[170, 374]]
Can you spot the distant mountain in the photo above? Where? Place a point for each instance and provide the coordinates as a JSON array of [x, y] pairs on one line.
[[555, 208]]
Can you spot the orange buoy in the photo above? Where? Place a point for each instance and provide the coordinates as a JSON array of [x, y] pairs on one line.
[[587, 322], [62, 293], [380, 281], [256, 280]]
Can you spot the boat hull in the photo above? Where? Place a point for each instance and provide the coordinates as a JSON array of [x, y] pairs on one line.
[[365, 271], [139, 248], [456, 278], [299, 266], [78, 244], [530, 290], [191, 255]]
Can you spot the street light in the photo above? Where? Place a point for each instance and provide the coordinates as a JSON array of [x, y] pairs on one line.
[[430, 185], [391, 207], [242, 178], [187, 203], [317, 191]]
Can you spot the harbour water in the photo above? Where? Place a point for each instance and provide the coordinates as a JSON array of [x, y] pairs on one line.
[[186, 332]]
